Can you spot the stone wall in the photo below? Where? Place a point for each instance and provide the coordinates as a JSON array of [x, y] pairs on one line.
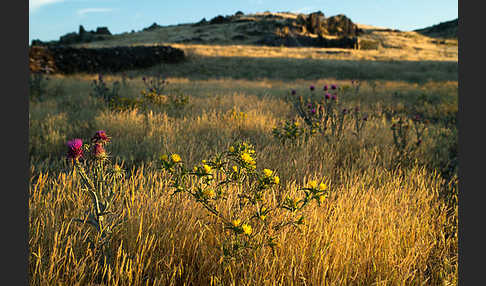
[[66, 60]]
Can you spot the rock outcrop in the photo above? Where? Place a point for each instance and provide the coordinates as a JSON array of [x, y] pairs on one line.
[[84, 36]]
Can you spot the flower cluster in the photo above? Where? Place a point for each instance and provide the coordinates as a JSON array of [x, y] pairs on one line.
[[75, 149], [315, 190], [232, 177], [99, 181], [290, 131]]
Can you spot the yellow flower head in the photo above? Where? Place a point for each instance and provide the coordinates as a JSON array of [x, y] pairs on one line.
[[296, 124], [322, 198], [313, 184], [267, 172], [204, 161], [175, 158], [207, 169], [232, 149], [322, 187], [276, 180], [164, 157], [209, 193], [117, 169], [195, 168], [246, 229], [236, 222], [235, 169], [247, 158]]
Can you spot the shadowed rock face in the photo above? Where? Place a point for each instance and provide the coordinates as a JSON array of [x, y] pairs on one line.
[[62, 59], [303, 41]]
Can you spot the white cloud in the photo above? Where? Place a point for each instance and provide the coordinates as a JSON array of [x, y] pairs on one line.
[[305, 10], [34, 5], [82, 12]]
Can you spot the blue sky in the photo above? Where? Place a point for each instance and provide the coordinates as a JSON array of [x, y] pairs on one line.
[[49, 19]]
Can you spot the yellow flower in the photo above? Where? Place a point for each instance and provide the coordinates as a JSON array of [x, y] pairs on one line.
[[267, 172], [322, 198], [235, 169], [210, 193], [164, 157], [276, 180], [313, 184], [175, 158], [246, 229], [236, 222], [204, 161], [296, 124], [207, 169], [117, 168], [232, 149], [247, 158], [195, 168], [322, 187], [263, 217]]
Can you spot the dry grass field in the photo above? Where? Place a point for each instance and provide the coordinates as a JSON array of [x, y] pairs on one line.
[[388, 220]]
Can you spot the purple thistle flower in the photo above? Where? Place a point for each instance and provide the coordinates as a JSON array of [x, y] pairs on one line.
[[333, 86], [333, 97], [100, 137], [293, 92], [345, 111], [312, 87], [75, 150], [313, 111], [325, 87], [309, 105], [143, 78], [327, 96]]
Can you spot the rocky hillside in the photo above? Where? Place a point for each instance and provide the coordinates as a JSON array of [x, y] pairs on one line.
[[443, 30], [269, 29], [260, 35]]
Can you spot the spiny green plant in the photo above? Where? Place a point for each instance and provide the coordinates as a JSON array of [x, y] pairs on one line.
[[360, 120], [290, 131], [402, 128], [99, 180], [153, 93], [101, 90], [323, 115], [232, 177]]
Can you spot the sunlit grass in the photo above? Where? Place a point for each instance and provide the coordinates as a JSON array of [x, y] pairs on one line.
[[383, 224]]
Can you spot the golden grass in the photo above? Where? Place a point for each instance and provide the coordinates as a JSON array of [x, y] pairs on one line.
[[379, 228], [382, 224]]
